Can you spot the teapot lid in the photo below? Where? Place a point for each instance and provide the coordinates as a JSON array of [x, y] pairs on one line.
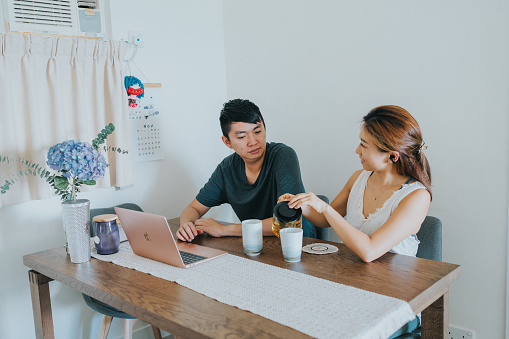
[[284, 213]]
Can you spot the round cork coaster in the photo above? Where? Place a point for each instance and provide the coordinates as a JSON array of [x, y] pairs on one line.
[[320, 248]]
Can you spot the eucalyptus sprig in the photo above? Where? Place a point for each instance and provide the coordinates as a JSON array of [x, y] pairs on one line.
[[103, 135], [32, 168], [79, 163], [101, 138]]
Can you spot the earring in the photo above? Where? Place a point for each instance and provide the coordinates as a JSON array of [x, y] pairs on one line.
[[392, 158]]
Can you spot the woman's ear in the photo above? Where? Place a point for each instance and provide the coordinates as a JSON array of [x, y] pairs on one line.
[[394, 156]]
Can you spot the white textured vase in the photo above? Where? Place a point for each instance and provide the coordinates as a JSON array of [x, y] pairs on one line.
[[76, 217]]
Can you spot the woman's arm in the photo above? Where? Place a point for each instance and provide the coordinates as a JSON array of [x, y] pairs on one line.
[[405, 221], [338, 204]]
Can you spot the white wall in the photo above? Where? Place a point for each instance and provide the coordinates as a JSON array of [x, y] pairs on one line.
[[316, 67], [184, 50]]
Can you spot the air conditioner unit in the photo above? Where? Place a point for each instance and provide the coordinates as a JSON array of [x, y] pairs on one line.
[[67, 17]]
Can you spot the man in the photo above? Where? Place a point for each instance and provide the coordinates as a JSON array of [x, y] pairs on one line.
[[250, 180]]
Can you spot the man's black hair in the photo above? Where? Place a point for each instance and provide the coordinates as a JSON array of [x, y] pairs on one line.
[[239, 110]]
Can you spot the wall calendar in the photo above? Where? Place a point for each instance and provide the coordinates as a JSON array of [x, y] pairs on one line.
[[145, 123]]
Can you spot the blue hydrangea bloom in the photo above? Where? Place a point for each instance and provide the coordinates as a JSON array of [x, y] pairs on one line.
[[77, 159]]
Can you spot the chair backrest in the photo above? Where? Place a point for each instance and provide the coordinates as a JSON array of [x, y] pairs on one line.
[[109, 210], [322, 233], [430, 236]]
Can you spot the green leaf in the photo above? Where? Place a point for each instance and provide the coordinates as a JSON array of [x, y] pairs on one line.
[[89, 182], [61, 182]]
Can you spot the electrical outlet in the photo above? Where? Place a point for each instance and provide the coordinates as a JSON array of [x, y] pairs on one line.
[[136, 38], [459, 333]]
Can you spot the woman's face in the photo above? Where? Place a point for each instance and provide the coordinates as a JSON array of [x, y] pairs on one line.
[[372, 158]]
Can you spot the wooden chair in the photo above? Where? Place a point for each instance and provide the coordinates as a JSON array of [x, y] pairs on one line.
[[105, 309]]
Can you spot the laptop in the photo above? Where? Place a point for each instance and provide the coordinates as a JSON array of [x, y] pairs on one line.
[[150, 236]]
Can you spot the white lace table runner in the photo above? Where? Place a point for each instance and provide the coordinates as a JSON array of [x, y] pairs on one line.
[[314, 306]]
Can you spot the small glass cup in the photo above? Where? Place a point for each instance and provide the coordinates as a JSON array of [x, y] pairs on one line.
[[106, 235], [291, 243], [252, 236]]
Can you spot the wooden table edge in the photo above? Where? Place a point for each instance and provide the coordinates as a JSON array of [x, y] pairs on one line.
[[419, 303], [178, 330]]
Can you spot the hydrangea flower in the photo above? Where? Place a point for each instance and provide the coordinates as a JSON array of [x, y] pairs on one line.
[[79, 163], [74, 158]]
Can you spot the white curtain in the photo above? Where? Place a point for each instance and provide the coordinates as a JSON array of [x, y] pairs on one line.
[[54, 89]]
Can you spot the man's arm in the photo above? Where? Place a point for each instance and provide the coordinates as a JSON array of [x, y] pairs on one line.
[[191, 225], [215, 229], [212, 195], [287, 171], [187, 230], [267, 227], [195, 210]]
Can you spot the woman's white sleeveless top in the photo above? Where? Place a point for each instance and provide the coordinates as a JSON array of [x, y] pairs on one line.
[[369, 225]]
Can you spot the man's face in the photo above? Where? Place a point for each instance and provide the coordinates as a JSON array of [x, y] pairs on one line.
[[247, 140]]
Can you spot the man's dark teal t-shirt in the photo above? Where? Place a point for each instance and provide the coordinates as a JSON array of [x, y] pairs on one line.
[[280, 174]]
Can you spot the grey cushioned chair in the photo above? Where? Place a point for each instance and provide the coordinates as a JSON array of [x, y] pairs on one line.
[[105, 309], [430, 236], [321, 232]]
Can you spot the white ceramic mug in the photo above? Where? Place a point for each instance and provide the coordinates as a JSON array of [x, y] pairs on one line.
[[252, 236], [291, 243]]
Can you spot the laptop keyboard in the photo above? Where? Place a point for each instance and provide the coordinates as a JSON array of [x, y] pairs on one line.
[[189, 258]]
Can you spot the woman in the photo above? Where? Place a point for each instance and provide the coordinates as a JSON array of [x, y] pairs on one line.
[[381, 207]]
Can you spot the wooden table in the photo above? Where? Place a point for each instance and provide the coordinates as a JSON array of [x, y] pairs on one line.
[[424, 284]]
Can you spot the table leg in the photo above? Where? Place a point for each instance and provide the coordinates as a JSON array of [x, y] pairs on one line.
[[435, 319], [41, 305]]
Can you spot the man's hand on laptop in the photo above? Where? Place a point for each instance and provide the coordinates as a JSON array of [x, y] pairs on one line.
[[188, 231], [211, 227]]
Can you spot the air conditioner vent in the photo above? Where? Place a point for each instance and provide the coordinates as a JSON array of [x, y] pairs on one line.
[[90, 18], [91, 4], [56, 13]]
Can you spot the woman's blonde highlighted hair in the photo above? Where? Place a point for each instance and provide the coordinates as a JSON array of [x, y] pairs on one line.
[[394, 129]]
